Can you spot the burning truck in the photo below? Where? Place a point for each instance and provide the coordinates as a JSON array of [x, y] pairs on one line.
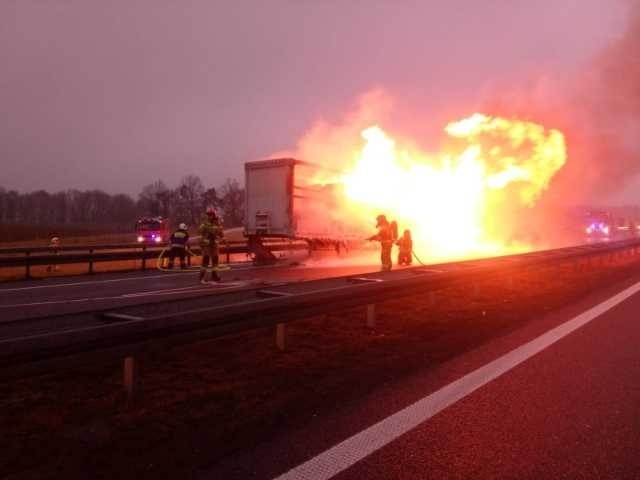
[[284, 202], [466, 199]]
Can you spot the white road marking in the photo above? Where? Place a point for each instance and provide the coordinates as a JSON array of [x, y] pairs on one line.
[[345, 454], [169, 291], [150, 293], [90, 282], [240, 267]]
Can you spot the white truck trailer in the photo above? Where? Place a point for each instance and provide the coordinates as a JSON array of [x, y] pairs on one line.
[[284, 201]]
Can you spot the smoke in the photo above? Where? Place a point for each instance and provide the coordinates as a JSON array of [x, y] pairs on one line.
[[598, 109], [609, 103], [330, 144]]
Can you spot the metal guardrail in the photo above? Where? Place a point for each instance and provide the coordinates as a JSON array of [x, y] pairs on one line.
[[126, 334], [90, 254]]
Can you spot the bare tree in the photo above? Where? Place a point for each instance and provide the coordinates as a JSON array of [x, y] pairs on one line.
[[189, 197], [155, 199], [232, 202], [210, 198]]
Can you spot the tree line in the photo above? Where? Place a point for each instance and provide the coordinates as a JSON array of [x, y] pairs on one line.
[[184, 203]]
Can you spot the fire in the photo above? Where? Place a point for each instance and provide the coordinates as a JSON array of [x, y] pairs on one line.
[[454, 201]]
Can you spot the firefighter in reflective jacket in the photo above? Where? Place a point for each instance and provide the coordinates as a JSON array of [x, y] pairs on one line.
[[405, 245], [211, 233], [178, 246], [386, 236]]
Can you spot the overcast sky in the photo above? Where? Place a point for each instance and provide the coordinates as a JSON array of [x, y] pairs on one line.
[[116, 94]]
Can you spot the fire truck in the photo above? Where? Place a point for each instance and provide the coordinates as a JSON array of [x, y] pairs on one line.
[[152, 230], [599, 225]]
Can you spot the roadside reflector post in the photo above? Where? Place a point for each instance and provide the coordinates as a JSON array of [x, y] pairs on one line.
[[144, 257], [130, 379], [371, 315], [281, 336]]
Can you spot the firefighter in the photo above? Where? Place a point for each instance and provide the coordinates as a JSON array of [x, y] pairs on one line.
[[211, 233], [178, 246], [405, 245], [386, 238]]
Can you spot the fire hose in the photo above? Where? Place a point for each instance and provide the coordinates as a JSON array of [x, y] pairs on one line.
[[189, 269], [418, 258]]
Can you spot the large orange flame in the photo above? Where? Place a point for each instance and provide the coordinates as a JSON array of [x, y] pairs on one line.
[[455, 201]]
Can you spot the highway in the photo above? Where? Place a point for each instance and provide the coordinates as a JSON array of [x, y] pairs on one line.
[[66, 295], [556, 399]]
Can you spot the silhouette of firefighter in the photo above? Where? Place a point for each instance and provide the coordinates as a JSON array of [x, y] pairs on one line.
[[178, 246], [405, 248], [211, 233], [387, 235]]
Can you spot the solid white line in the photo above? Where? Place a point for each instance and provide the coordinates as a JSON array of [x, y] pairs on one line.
[[343, 455], [149, 293], [89, 282], [240, 267]]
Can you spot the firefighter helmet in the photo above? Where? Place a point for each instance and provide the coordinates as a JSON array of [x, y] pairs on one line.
[[381, 220], [212, 211], [182, 226]]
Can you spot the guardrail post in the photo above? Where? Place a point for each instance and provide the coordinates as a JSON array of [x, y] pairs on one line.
[[371, 315], [130, 379], [144, 257], [27, 264], [91, 260], [281, 336]]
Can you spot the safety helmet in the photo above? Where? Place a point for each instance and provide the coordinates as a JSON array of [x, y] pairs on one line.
[[55, 240], [182, 226]]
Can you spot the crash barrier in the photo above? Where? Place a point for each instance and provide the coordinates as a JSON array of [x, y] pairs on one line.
[[91, 254], [126, 336]]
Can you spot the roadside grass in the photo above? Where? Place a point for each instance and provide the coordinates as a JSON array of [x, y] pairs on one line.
[[208, 401]]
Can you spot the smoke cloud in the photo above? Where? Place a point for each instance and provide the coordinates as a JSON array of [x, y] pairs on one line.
[[598, 109]]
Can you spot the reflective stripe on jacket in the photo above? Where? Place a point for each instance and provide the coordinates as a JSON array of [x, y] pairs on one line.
[[210, 233], [179, 239]]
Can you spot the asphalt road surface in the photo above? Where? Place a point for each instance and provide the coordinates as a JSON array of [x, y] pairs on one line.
[[64, 295], [559, 398]]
